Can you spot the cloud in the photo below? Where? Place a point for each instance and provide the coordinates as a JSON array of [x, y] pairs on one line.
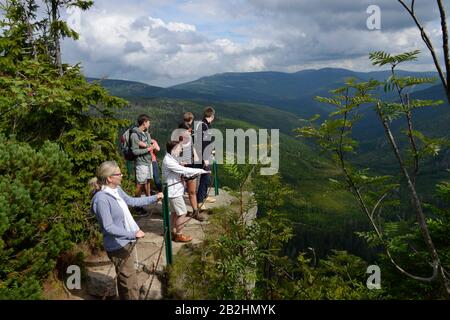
[[173, 41]]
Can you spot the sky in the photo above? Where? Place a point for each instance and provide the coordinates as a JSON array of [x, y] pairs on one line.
[[167, 42]]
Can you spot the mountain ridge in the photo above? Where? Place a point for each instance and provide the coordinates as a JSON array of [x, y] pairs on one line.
[[292, 92]]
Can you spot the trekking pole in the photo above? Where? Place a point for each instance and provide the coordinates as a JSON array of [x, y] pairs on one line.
[[216, 179], [136, 258], [167, 233]]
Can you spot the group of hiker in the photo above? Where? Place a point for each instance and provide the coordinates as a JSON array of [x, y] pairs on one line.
[[181, 166]]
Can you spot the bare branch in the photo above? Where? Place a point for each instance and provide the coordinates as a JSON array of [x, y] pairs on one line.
[[445, 79], [444, 38], [378, 203], [428, 43], [430, 279]]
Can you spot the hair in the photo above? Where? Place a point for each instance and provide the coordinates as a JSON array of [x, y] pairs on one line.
[[105, 170], [208, 112], [142, 118], [170, 145], [188, 116], [185, 125]]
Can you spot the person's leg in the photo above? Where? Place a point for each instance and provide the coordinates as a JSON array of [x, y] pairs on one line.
[[127, 285], [141, 180], [202, 191], [191, 187], [147, 188], [173, 222], [139, 189], [156, 176], [180, 223], [179, 207]]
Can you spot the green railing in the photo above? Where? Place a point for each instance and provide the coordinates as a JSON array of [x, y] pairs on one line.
[[216, 178], [167, 233]]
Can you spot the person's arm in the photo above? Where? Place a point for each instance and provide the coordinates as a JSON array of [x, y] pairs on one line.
[[102, 210], [186, 171], [137, 201], [156, 145], [135, 148]]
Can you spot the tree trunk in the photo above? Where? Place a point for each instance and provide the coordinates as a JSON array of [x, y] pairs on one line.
[[55, 36]]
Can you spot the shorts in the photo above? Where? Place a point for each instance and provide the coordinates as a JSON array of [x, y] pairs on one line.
[[178, 205], [143, 173]]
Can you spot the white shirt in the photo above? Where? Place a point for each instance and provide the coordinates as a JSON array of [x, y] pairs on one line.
[[172, 172], [130, 224]]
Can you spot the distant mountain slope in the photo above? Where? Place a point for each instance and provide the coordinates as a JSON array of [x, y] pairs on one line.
[[293, 92], [126, 89], [134, 89]]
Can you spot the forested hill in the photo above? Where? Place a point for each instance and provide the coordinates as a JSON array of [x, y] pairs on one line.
[[293, 92]]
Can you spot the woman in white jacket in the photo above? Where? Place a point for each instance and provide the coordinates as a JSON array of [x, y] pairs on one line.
[[172, 171]]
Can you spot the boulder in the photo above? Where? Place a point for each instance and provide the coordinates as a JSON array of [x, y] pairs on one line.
[[99, 284]]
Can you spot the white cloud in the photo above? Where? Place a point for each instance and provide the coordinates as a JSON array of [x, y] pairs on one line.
[[172, 41]]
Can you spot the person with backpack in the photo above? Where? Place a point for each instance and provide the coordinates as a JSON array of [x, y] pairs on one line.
[[120, 231], [188, 160], [142, 147], [202, 132], [125, 148]]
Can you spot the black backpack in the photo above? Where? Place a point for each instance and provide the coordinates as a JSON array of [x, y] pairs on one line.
[[125, 145]]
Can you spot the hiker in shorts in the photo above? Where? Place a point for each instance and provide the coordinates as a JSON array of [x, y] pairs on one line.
[[141, 146], [172, 171], [188, 158]]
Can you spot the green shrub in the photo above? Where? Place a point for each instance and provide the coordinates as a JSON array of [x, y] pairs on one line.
[[32, 215]]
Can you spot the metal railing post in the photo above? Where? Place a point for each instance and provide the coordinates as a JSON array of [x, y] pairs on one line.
[[216, 178], [167, 233]]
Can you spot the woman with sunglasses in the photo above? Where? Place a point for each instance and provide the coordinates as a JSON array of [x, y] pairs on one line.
[[120, 231]]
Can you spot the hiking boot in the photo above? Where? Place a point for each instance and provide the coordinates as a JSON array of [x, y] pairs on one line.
[[210, 200], [179, 237]]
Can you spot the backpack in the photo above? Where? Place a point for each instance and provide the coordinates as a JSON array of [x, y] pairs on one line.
[[125, 145]]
